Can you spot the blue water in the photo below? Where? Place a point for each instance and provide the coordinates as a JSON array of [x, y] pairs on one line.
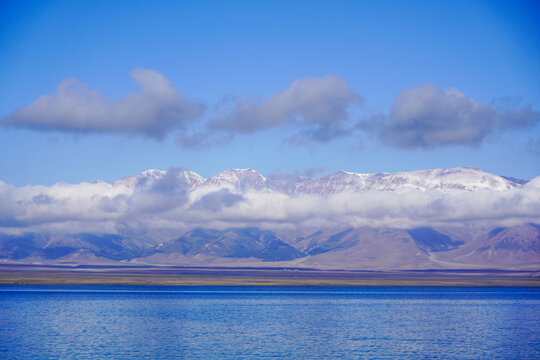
[[85, 322]]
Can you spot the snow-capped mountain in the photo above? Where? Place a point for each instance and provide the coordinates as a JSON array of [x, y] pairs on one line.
[[237, 179], [450, 218], [242, 180], [148, 175], [189, 179], [463, 178]]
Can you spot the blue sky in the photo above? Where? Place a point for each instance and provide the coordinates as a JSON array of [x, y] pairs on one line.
[[267, 57]]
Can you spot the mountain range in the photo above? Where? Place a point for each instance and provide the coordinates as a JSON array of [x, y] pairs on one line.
[[336, 245], [244, 180]]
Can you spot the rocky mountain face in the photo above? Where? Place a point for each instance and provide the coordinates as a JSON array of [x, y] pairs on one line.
[[231, 243], [504, 247], [38, 247], [363, 248], [431, 240], [516, 247]]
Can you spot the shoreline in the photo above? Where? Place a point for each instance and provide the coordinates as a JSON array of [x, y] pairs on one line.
[[206, 276]]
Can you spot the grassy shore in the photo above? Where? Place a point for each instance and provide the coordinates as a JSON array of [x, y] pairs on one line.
[[177, 276]]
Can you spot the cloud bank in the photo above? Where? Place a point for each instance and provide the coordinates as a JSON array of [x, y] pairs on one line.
[[428, 117], [171, 202], [153, 111]]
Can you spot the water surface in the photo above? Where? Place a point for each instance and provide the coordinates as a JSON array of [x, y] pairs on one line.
[[121, 322]]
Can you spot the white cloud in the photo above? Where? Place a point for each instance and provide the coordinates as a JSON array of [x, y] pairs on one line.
[[313, 109], [428, 117], [317, 106], [153, 111]]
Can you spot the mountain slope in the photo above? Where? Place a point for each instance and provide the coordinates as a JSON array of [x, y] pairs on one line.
[[516, 246], [231, 243], [370, 249], [347, 248], [430, 240], [58, 247], [17, 247]]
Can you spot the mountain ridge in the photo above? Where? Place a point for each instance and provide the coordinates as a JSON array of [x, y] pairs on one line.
[[459, 178], [434, 218], [515, 247]]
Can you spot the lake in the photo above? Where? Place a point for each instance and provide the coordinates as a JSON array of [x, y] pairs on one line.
[[132, 322]]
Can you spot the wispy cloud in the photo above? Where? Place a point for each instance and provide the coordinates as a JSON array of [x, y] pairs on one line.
[[197, 140], [153, 111], [533, 145]]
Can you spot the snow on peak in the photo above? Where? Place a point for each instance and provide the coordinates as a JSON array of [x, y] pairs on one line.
[[238, 179], [242, 180], [152, 173], [145, 176], [459, 178], [191, 178]]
